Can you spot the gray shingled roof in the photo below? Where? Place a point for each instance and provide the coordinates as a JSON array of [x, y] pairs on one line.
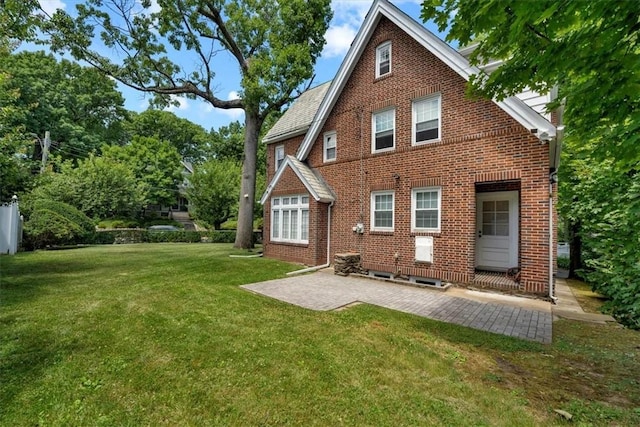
[[312, 181], [297, 119]]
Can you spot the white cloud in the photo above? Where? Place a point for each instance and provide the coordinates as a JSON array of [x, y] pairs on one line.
[[339, 38], [347, 18], [50, 6]]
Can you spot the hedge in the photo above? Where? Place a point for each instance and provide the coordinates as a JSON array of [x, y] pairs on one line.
[[105, 237]]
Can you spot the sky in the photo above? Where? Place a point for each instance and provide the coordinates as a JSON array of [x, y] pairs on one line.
[[348, 15]]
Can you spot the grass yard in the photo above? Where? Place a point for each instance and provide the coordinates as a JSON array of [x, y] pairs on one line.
[[161, 334]]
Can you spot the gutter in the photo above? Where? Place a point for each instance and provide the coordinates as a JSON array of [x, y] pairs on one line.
[[328, 263], [553, 177]]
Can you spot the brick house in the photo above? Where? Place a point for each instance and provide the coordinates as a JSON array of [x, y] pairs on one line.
[[390, 160]]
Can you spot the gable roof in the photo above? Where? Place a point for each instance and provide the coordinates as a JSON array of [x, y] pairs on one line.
[[311, 180], [513, 106], [297, 119]]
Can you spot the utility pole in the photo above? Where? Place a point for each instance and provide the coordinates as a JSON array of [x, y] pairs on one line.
[[45, 150]]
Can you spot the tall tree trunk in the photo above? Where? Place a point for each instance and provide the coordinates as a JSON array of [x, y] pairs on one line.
[[244, 235]]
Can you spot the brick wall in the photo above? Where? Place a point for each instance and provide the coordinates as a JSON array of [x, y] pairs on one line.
[[481, 149]]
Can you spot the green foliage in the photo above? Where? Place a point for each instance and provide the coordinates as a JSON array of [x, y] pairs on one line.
[[56, 223], [79, 106], [563, 262], [188, 138], [590, 53], [212, 191], [99, 187], [155, 165], [15, 159], [273, 44], [149, 236]]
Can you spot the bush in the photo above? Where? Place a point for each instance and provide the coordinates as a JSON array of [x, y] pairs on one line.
[[55, 223], [106, 237], [563, 262]]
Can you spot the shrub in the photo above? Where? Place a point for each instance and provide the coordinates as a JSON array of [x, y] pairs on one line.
[[563, 262], [55, 223]]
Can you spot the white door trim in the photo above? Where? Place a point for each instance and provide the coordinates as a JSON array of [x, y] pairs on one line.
[[514, 220]]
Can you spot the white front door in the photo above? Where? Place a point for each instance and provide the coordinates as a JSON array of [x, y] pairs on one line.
[[497, 230]]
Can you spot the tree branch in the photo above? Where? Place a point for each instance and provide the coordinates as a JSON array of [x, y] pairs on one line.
[[213, 13]]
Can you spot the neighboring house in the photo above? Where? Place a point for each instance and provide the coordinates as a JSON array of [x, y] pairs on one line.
[[392, 161]]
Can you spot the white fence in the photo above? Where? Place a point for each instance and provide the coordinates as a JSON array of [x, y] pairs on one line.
[[10, 228]]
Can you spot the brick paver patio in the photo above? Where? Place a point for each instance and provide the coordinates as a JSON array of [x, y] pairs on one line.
[[322, 291]]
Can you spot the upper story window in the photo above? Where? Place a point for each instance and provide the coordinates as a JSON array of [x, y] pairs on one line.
[[383, 59], [279, 156], [382, 209], [383, 126], [426, 120], [329, 152], [425, 209], [290, 219]]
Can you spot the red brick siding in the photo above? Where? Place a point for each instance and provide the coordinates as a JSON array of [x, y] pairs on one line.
[[479, 144]]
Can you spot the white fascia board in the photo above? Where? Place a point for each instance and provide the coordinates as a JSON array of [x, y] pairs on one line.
[[288, 163], [285, 136]]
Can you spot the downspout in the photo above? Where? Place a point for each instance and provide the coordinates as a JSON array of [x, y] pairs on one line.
[[328, 263], [553, 176]]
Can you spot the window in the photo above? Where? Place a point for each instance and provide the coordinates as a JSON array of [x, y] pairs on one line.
[[290, 219], [425, 209], [383, 131], [426, 120], [279, 156], [382, 211], [329, 146], [383, 59]]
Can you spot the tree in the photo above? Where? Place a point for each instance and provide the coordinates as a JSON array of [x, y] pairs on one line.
[[15, 164], [590, 53], [155, 165], [79, 106], [99, 187], [188, 138], [273, 44], [211, 191]]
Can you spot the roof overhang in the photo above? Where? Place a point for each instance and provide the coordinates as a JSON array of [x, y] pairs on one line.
[[316, 187]]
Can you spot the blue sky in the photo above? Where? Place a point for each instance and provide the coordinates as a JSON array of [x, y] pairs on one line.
[[348, 15]]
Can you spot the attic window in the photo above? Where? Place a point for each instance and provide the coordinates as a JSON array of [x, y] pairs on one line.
[[279, 156], [383, 59], [329, 146]]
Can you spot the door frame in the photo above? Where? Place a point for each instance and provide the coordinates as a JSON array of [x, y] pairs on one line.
[[514, 225]]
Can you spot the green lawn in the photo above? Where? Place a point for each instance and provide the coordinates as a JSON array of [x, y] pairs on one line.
[[161, 334]]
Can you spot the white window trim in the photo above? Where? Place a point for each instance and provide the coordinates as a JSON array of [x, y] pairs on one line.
[[373, 131], [327, 135], [373, 210], [299, 207], [379, 50], [414, 121], [279, 148], [413, 210]]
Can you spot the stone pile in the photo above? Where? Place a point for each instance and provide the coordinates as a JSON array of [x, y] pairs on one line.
[[347, 263]]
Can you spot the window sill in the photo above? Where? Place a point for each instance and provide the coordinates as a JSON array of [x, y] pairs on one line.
[[383, 77], [283, 243], [434, 233], [423, 143], [381, 232], [384, 150]]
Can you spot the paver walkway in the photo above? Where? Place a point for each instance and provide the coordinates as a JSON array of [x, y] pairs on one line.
[[323, 291]]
